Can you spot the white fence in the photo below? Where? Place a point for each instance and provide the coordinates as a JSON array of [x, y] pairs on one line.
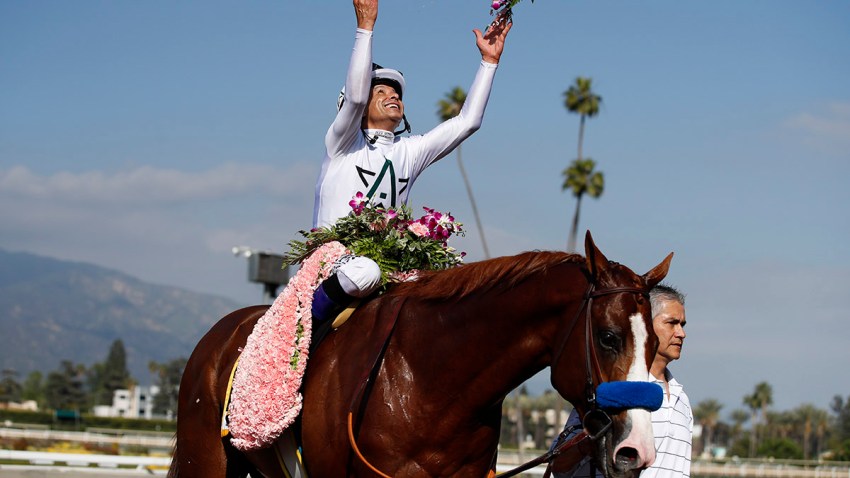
[[125, 438], [42, 458]]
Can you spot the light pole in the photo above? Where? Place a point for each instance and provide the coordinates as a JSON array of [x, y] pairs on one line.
[[265, 268]]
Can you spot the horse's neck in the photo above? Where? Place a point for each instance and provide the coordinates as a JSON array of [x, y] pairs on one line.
[[479, 349]]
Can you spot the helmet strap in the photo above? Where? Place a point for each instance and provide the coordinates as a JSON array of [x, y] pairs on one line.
[[406, 128]]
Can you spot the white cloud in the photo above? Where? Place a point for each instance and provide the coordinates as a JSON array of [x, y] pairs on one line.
[[148, 185], [165, 226], [827, 127]]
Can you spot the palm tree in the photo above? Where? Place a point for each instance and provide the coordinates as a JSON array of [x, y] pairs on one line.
[[707, 412], [813, 421], [761, 398], [449, 107], [581, 179], [581, 99], [738, 416]]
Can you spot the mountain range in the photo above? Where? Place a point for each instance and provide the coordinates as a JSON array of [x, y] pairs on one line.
[[53, 310]]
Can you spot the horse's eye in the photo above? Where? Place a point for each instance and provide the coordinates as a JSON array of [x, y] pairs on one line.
[[609, 341]]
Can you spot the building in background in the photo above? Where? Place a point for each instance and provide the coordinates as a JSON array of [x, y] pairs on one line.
[[137, 402]]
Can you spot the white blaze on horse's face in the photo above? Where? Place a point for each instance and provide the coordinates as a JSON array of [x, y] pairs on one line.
[[640, 433]]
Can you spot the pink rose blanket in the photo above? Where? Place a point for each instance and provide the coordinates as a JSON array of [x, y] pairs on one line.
[[266, 397]]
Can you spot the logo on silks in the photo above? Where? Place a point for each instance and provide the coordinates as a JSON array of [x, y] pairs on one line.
[[383, 186]]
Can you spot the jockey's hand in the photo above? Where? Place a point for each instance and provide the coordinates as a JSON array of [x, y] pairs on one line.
[[367, 13], [492, 43]]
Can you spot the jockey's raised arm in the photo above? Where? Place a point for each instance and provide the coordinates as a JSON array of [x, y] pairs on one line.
[[366, 153]]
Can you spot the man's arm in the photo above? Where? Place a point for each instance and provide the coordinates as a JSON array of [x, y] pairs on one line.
[[492, 44], [346, 125], [444, 138]]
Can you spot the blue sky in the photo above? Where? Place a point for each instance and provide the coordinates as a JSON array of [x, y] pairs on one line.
[[152, 137]]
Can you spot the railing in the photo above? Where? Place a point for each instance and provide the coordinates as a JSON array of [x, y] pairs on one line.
[[119, 437], [769, 468], [42, 458]]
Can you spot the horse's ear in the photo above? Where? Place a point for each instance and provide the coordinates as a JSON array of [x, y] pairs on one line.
[[596, 261], [658, 273]]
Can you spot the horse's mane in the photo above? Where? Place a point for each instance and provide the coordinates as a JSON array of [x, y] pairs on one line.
[[503, 272]]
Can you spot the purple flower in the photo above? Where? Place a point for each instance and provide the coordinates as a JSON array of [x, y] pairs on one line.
[[358, 203]]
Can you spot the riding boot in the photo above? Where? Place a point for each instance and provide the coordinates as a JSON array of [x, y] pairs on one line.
[[329, 300]]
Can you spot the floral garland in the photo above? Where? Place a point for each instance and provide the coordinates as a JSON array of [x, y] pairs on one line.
[[398, 243], [265, 399]]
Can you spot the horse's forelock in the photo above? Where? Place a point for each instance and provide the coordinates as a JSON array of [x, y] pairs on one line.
[[464, 280]]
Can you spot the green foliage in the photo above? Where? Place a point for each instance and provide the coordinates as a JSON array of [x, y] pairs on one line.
[[842, 451], [65, 389], [33, 388], [740, 448], [450, 106], [87, 420], [10, 388], [110, 375], [780, 448], [168, 375], [580, 178], [580, 98], [390, 237], [841, 409]]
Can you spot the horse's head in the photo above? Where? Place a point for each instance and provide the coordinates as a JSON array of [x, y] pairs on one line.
[[613, 341]]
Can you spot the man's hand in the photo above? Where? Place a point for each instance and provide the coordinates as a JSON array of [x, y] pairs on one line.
[[492, 43], [367, 13]]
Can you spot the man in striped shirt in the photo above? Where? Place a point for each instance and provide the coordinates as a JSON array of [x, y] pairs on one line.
[[672, 424]]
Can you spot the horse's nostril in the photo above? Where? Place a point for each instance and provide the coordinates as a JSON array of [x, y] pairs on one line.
[[627, 458]]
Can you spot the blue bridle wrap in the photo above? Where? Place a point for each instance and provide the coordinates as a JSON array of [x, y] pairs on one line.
[[625, 395]]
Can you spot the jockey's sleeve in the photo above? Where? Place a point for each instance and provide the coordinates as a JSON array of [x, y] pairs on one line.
[[444, 138], [346, 125]]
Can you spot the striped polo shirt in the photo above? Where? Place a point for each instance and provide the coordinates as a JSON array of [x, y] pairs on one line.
[[672, 425]]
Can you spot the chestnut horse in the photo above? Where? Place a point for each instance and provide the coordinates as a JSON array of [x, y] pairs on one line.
[[451, 345]]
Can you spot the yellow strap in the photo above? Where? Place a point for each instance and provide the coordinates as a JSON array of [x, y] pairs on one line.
[[345, 314], [281, 462], [224, 430]]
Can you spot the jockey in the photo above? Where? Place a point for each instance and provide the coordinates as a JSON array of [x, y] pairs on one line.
[[365, 153]]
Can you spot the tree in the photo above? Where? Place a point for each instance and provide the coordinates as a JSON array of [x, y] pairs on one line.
[[168, 375], [738, 417], [579, 176], [33, 388], [809, 419], [448, 108], [110, 375], [841, 409], [581, 179], [10, 388], [781, 448], [65, 389], [758, 401], [707, 413]]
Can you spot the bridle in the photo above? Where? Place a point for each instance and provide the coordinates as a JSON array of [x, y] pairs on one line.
[[596, 422]]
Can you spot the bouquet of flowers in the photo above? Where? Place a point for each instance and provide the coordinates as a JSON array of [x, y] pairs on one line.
[[398, 243]]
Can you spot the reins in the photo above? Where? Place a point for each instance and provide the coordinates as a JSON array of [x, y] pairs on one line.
[[596, 420], [367, 381]]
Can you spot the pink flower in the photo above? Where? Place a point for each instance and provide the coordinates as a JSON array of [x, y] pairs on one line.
[[358, 203], [418, 229]]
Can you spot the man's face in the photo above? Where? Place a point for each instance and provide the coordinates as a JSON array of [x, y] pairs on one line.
[[669, 325], [385, 109]]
